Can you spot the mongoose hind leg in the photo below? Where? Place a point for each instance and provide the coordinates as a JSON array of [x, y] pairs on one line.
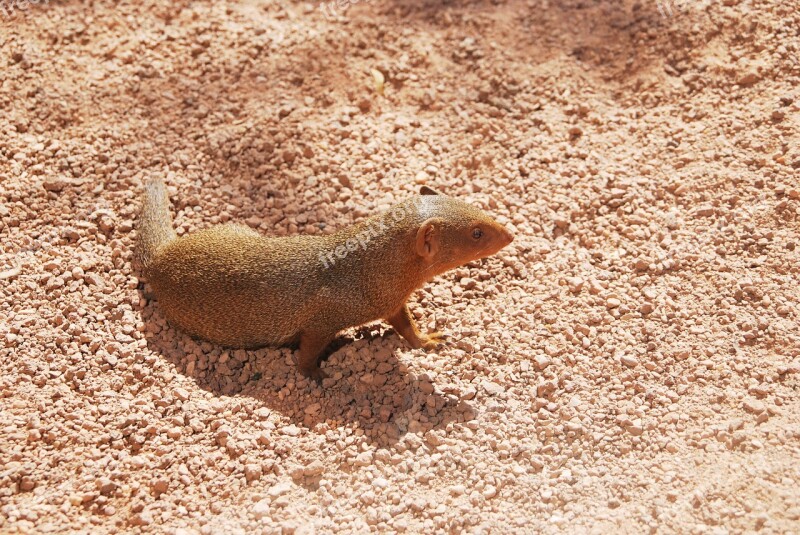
[[312, 346], [406, 327]]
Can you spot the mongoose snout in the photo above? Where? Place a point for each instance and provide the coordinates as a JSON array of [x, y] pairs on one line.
[[232, 286]]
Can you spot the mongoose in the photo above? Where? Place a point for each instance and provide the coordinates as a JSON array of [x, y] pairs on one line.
[[232, 286]]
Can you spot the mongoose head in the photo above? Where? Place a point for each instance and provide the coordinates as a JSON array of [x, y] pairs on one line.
[[454, 233]]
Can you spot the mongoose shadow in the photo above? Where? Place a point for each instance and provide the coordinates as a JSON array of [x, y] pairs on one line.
[[384, 405]]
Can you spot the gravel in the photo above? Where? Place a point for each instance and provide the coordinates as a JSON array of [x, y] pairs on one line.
[[630, 363]]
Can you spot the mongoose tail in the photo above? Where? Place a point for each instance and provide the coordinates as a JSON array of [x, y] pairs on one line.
[[155, 223]]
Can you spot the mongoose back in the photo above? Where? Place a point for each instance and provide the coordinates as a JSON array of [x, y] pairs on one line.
[[232, 286]]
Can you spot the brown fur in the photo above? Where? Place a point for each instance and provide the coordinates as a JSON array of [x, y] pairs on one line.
[[232, 286]]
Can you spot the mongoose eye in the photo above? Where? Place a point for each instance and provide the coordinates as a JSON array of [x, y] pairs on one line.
[[477, 233]]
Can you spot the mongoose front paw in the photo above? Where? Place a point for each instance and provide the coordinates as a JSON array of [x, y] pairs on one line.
[[433, 340]]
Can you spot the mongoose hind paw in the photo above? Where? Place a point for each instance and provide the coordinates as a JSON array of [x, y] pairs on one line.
[[317, 375]]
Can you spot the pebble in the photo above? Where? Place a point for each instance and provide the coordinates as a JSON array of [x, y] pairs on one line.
[[754, 406], [290, 430], [315, 468], [262, 508], [55, 184], [575, 284], [492, 388], [636, 428], [279, 489], [252, 472], [160, 486]]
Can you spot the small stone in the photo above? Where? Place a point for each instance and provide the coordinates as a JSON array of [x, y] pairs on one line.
[[754, 406], [106, 486], [574, 427], [345, 181], [261, 508], [748, 79], [279, 489], [54, 283], [363, 459], [253, 221], [252, 472], [145, 518], [492, 388], [289, 156], [54, 184], [181, 394], [458, 490], [290, 430], [160, 486], [561, 222], [93, 279], [613, 302], [629, 361], [542, 361], [575, 284], [703, 211], [296, 473], [105, 224], [635, 428], [10, 273], [314, 469], [468, 283]]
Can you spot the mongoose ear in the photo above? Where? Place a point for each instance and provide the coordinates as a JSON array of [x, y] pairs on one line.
[[428, 238], [427, 190]]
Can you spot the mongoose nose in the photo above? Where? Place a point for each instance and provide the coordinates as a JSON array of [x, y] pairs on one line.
[[509, 237]]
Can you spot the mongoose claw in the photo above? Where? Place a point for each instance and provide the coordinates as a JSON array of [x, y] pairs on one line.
[[434, 340]]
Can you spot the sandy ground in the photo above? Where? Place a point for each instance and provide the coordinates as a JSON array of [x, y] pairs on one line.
[[630, 364]]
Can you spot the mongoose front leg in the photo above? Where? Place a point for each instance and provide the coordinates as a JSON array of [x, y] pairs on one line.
[[405, 326], [311, 347]]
